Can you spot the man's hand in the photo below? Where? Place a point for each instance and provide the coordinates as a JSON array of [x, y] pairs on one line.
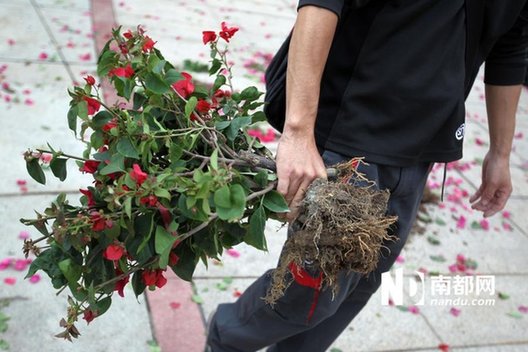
[[298, 164], [496, 185]]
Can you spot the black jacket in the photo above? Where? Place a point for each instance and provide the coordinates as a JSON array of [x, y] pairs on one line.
[[398, 72]]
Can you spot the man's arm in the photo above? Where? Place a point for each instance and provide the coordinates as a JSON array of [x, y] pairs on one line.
[[496, 187], [298, 161]]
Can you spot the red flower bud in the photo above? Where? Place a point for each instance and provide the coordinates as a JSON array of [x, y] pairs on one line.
[[114, 252], [90, 80], [89, 315], [138, 175]]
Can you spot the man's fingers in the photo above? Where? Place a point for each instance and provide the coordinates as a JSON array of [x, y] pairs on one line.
[[476, 195], [294, 206]]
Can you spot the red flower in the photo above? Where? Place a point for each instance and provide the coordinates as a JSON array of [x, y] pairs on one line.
[[203, 106], [138, 175], [114, 252], [90, 166], [126, 71], [148, 44], [99, 223], [184, 87], [89, 315], [208, 36], [154, 278], [227, 33], [120, 285], [90, 80], [93, 105], [222, 93], [124, 48], [128, 34], [110, 124], [89, 195], [173, 259], [150, 200]]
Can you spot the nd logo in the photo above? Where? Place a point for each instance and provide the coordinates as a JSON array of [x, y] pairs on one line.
[[392, 287]]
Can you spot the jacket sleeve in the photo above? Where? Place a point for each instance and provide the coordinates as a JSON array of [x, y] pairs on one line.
[[508, 59], [335, 6]]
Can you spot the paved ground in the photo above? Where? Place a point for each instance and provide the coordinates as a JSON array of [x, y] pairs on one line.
[[47, 44]]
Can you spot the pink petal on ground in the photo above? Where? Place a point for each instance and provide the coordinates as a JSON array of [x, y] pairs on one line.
[[23, 235], [43, 56], [454, 312], [4, 263], [34, 279], [484, 223], [506, 214], [237, 293], [85, 57], [21, 182], [10, 280], [507, 226], [453, 268], [20, 264], [233, 253], [461, 223], [29, 102], [175, 305], [523, 309], [11, 42], [399, 259], [414, 309]]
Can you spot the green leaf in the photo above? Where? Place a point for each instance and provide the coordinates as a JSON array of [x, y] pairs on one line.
[[219, 81], [126, 148], [503, 295], [117, 164], [58, 167], [250, 94], [258, 116], [163, 245], [214, 159], [222, 197], [70, 270], [275, 202], [102, 306], [221, 125], [101, 118], [162, 193], [236, 125], [261, 178], [215, 66], [438, 258], [255, 236], [197, 299], [187, 262], [433, 240], [128, 207], [173, 76], [137, 283], [156, 84], [72, 118], [190, 105], [237, 199], [35, 171]]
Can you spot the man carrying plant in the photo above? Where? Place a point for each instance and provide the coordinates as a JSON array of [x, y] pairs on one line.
[[385, 80]]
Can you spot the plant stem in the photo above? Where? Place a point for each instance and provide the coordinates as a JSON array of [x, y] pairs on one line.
[[63, 154]]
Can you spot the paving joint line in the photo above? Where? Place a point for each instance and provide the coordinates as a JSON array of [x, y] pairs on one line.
[[37, 193], [42, 19]]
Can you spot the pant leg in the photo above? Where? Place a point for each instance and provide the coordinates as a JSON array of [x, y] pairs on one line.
[[249, 324], [404, 202]]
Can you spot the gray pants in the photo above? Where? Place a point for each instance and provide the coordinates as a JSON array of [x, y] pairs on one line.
[[306, 319]]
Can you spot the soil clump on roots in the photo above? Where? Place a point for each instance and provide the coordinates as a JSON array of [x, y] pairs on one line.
[[341, 227]]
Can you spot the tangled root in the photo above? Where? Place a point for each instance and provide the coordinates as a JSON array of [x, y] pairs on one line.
[[341, 227]]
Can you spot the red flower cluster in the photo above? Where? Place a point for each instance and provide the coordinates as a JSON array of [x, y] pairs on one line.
[[89, 196], [90, 166], [126, 71], [184, 87], [114, 252], [138, 175], [203, 106], [148, 44], [93, 105], [226, 33], [110, 124], [151, 200], [154, 278], [99, 222]]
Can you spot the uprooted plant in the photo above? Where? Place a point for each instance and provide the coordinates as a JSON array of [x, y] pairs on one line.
[[176, 180]]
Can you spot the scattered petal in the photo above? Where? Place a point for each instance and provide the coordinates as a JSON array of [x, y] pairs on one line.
[[233, 253], [175, 305], [23, 235], [34, 278], [454, 311], [10, 280]]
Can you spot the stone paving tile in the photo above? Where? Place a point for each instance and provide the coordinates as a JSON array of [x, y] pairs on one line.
[[23, 36], [36, 114], [72, 29], [68, 4], [500, 348]]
